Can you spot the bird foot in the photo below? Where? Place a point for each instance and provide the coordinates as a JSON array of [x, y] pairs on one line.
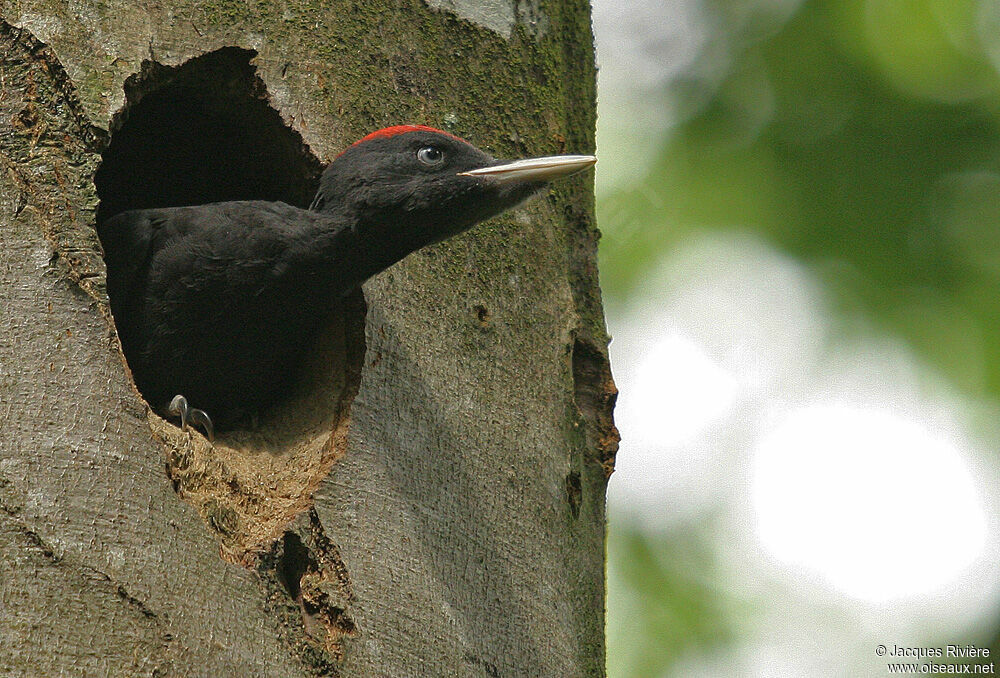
[[179, 408]]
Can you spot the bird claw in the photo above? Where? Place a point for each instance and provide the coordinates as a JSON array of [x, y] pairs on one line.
[[178, 407]]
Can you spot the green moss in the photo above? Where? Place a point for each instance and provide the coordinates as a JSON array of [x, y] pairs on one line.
[[95, 87], [228, 12]]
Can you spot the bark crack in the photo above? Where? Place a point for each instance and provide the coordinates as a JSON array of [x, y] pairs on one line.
[[35, 540], [595, 395], [122, 593], [310, 591], [52, 154]]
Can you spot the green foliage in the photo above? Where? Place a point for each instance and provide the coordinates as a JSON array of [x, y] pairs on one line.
[[862, 138], [666, 602]]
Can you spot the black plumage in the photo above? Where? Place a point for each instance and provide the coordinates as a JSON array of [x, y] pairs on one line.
[[218, 302]]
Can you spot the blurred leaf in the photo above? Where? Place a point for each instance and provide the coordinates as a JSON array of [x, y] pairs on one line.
[[858, 159], [926, 48], [667, 601]]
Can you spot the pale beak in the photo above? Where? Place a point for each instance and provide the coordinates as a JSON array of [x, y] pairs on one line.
[[535, 169]]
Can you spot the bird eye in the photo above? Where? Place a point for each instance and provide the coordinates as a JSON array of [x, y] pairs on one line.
[[430, 156]]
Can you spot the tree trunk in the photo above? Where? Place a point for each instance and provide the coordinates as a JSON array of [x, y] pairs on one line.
[[430, 500]]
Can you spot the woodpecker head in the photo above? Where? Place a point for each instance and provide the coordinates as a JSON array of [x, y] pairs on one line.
[[422, 185]]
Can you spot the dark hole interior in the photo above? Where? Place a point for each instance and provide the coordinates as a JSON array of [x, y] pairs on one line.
[[205, 132], [574, 492], [198, 133], [295, 561]]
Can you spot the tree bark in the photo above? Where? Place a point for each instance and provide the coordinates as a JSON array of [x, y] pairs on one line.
[[430, 500]]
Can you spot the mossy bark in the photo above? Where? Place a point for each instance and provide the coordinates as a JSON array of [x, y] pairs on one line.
[[431, 502]]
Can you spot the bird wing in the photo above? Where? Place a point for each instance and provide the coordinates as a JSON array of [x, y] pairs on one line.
[[184, 284], [131, 239], [243, 232], [127, 239]]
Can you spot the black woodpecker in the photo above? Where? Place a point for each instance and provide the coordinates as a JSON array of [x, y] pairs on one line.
[[215, 304]]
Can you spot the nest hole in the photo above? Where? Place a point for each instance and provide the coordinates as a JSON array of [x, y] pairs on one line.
[[203, 132], [198, 133]]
